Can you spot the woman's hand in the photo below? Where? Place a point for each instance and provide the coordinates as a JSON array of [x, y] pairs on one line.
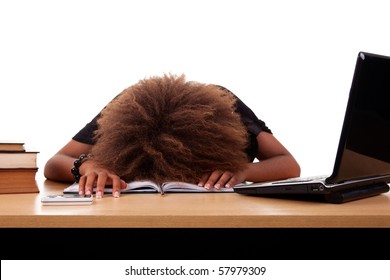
[[96, 176], [219, 179]]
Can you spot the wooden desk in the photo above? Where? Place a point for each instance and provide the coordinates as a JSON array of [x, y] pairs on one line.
[[222, 210]]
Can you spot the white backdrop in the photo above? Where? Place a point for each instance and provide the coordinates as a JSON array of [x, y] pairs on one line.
[[291, 61]]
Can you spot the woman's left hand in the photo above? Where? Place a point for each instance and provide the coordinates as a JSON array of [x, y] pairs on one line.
[[219, 179]]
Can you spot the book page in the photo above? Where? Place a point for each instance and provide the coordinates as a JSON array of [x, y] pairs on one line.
[[74, 188], [188, 187], [152, 187], [137, 186], [142, 186]]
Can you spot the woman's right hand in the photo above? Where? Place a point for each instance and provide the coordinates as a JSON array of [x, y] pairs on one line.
[[96, 176]]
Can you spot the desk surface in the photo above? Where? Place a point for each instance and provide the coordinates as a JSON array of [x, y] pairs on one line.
[[194, 210]]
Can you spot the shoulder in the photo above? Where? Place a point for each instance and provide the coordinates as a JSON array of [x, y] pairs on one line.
[[249, 118]]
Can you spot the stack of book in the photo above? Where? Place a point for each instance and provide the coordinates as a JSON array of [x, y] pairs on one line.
[[18, 168]]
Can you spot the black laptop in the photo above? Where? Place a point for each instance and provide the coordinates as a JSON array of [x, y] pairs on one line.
[[362, 164]]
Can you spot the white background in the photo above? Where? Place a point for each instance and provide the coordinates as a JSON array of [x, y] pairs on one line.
[[291, 61]]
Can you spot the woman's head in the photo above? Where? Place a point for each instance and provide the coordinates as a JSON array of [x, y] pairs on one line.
[[167, 128]]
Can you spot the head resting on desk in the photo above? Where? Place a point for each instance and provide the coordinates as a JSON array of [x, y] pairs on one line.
[[166, 128]]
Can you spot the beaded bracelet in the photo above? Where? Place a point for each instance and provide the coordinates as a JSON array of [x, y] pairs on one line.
[[77, 163]]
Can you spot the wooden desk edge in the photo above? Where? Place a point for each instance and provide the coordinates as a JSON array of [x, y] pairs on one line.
[[44, 221]]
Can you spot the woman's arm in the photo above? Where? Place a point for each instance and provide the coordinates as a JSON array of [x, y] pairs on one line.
[[275, 163], [58, 168]]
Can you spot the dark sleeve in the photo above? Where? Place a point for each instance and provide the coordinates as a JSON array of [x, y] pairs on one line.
[[253, 124], [86, 134]]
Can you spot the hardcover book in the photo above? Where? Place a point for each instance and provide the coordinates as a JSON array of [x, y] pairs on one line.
[[11, 146], [26, 159], [18, 180]]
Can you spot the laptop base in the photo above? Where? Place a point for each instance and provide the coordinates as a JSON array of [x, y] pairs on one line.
[[358, 193]]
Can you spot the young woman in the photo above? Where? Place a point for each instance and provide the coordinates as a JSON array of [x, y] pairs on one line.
[[166, 128]]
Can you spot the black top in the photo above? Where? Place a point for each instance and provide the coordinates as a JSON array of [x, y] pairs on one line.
[[253, 124]]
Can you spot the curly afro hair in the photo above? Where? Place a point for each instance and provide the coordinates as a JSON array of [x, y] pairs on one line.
[[169, 129]]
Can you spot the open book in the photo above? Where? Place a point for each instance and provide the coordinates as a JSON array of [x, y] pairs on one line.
[[152, 187]]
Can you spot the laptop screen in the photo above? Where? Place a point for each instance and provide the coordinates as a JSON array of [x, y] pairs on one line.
[[364, 147]]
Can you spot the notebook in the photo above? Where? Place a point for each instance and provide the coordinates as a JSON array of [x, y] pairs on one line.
[[362, 164]]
